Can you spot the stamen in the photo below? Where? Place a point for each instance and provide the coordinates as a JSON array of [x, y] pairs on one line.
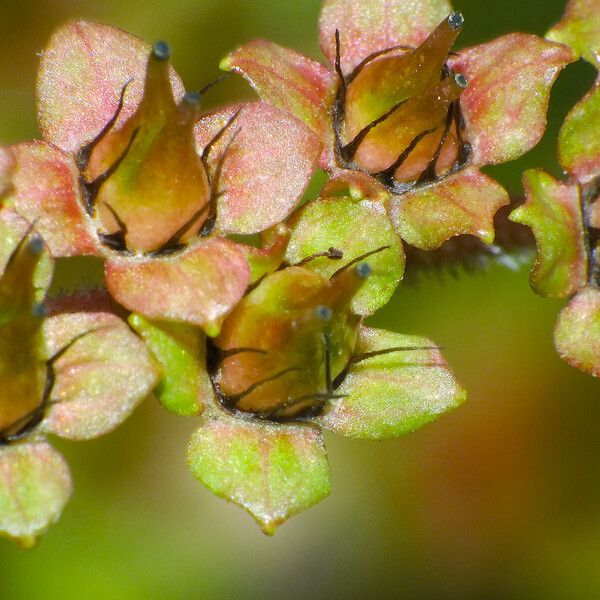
[[115, 240], [363, 267], [236, 398], [209, 224], [388, 174], [320, 402], [429, 173], [219, 135], [349, 150], [366, 355], [173, 243], [235, 351], [83, 156], [93, 187], [331, 253], [373, 56]]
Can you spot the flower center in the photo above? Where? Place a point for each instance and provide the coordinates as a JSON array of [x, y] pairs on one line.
[[285, 349], [145, 183], [397, 116]]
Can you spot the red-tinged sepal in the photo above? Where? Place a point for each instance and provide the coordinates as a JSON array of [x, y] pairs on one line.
[[101, 371], [578, 141], [577, 332], [553, 211], [46, 192], [396, 384], [288, 80], [461, 204], [260, 161], [377, 25], [579, 28], [509, 88], [83, 72], [199, 285]]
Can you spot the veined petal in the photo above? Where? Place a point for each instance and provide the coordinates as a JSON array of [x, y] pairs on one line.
[[82, 73], [261, 164], [389, 395], [35, 485], [505, 103], [46, 192], [287, 79], [579, 140], [577, 333], [355, 228], [273, 471], [580, 28], [185, 388], [553, 211], [462, 204], [198, 286], [368, 26], [104, 373]]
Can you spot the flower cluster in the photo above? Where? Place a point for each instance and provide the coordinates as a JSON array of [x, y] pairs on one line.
[[266, 344], [564, 215]]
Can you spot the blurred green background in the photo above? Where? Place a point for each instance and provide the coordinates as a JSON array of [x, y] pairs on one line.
[[499, 500]]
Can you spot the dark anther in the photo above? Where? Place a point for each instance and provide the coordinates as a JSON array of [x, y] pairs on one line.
[[373, 56], [93, 187], [36, 245], [366, 355], [235, 399], [331, 253], [161, 51], [38, 310], [364, 270], [429, 174], [461, 80], [349, 150], [83, 156], [359, 259], [192, 98], [115, 240], [455, 20], [324, 313]]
